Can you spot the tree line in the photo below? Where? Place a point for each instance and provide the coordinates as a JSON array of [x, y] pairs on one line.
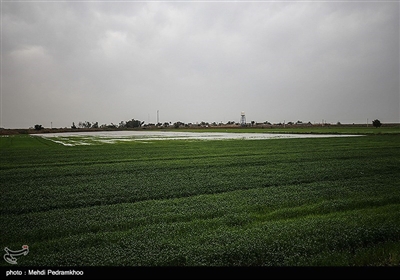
[[137, 124], [123, 124]]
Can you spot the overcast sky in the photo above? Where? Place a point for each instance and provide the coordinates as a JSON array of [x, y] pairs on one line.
[[107, 62]]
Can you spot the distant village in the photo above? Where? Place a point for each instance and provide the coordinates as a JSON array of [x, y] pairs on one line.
[[137, 124]]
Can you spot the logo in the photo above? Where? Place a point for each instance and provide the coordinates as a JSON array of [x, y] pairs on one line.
[[10, 255]]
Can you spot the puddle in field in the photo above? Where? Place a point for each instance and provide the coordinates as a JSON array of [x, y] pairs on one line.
[[98, 137]]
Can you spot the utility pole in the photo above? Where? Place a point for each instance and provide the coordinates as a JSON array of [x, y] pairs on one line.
[[158, 120]]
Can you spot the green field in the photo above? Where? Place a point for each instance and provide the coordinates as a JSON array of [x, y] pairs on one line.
[[277, 202]]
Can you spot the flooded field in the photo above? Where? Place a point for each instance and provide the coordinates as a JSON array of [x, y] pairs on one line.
[[271, 203], [97, 137]]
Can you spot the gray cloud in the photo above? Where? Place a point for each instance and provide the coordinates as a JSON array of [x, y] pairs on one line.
[[65, 62]]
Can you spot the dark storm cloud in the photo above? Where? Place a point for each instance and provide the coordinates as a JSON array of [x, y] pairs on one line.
[[107, 62]]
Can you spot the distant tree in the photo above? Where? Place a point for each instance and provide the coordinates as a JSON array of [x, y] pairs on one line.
[[133, 123], [95, 125], [87, 124], [376, 123], [252, 123], [38, 126], [122, 124], [73, 125], [178, 124]]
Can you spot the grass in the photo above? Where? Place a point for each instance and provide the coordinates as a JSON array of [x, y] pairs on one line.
[[276, 202]]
